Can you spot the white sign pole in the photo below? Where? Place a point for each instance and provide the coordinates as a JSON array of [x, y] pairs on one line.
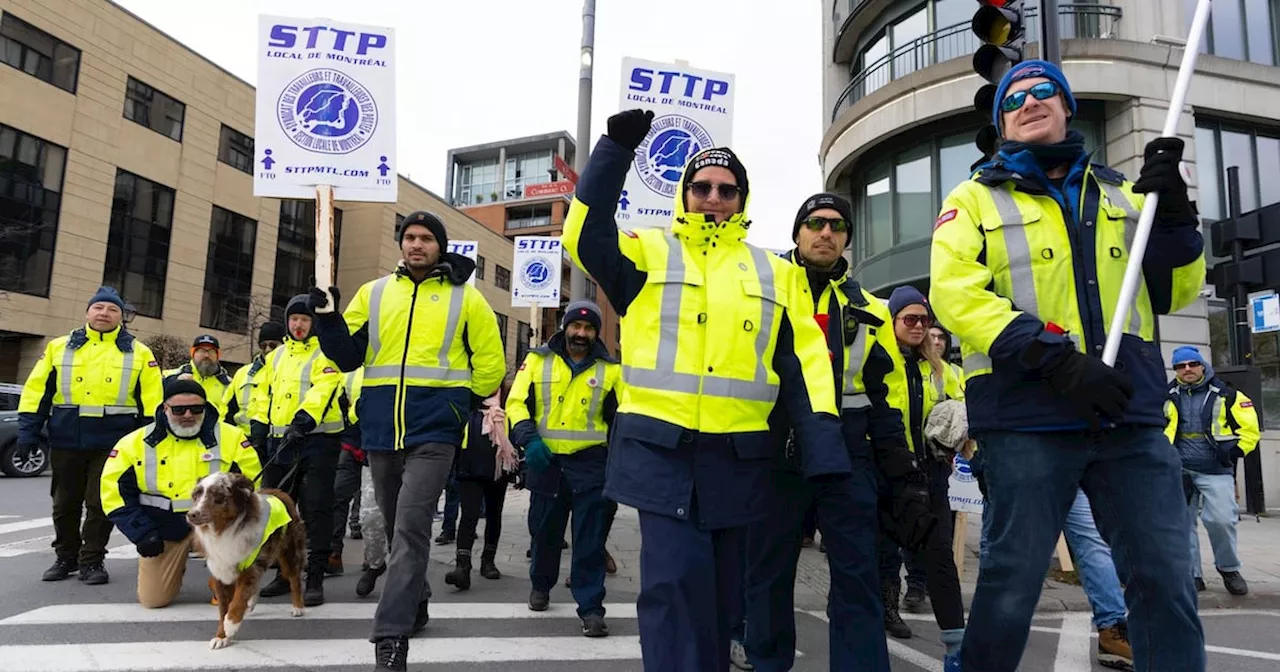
[[693, 111], [1138, 250], [324, 237]]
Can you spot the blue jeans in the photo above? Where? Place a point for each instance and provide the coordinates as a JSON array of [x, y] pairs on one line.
[[449, 525], [1132, 476], [1218, 492], [1094, 564]]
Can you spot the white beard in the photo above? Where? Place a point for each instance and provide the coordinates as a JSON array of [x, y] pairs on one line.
[[183, 432]]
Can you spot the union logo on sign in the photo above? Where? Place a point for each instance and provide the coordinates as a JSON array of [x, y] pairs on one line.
[[327, 112], [535, 274], [963, 472], [672, 141]]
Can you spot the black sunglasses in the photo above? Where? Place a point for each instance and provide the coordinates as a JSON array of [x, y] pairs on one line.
[[195, 409], [913, 320], [1184, 365], [728, 192], [837, 224], [1041, 91]]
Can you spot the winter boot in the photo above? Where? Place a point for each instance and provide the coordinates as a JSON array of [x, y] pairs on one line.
[[913, 602], [1235, 583], [893, 623], [1114, 650], [487, 569], [392, 653], [369, 580], [334, 568], [313, 593], [95, 574], [60, 570], [460, 577], [278, 586]]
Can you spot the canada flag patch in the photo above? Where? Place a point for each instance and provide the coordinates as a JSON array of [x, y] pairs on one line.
[[153, 363], [246, 443], [944, 218], [1246, 404], [330, 369], [631, 234], [113, 453]]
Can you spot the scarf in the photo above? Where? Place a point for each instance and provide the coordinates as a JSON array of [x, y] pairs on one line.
[[494, 426], [1048, 156]]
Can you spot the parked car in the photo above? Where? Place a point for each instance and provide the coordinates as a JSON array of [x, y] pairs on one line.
[[12, 461]]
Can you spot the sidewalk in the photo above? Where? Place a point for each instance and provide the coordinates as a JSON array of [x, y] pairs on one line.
[[1259, 547]]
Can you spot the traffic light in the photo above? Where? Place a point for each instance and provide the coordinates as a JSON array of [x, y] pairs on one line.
[[1000, 24]]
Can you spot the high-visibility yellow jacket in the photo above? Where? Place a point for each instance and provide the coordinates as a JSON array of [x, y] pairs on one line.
[[92, 388], [715, 332], [568, 407], [917, 390], [1008, 258], [148, 478], [1228, 421], [298, 384], [238, 396], [426, 347], [215, 386]]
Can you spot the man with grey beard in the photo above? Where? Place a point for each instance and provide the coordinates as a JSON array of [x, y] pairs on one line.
[[206, 369], [150, 473]]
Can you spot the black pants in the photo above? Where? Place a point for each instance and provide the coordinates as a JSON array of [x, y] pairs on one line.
[[75, 488], [311, 487], [941, 577], [346, 499], [475, 494]]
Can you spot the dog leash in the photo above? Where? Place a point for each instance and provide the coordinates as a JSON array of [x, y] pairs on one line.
[[297, 462]]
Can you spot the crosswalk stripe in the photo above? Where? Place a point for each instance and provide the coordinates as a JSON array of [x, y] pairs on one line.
[[68, 614], [252, 654], [23, 525], [14, 549]]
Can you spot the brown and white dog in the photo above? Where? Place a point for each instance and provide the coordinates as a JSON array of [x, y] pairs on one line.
[[229, 519]]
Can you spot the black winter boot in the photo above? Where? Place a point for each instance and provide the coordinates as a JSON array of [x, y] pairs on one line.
[[369, 580], [487, 569], [460, 577], [313, 592], [278, 586], [893, 623]]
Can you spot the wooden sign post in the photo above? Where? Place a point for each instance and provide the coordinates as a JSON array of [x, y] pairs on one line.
[[324, 237]]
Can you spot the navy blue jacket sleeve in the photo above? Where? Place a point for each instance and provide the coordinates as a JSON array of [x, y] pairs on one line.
[[818, 435], [526, 430], [1025, 344], [340, 345], [131, 519], [599, 188], [1172, 245]]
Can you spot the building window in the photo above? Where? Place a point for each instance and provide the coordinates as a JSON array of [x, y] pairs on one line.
[[31, 172], [529, 216], [236, 149], [591, 289], [1243, 30], [296, 252], [154, 109], [228, 272], [502, 329], [523, 333], [477, 182], [1266, 356], [479, 267], [901, 190], [523, 170], [138, 242], [1220, 145], [38, 53], [502, 277]]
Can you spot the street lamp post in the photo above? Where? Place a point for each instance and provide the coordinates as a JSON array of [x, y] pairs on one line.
[[578, 279]]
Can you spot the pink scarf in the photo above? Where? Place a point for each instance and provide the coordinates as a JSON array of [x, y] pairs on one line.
[[494, 426]]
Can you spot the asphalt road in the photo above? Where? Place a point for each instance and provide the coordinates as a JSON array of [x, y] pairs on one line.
[[69, 626]]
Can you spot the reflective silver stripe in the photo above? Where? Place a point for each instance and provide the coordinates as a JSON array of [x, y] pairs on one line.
[[855, 401], [99, 411], [375, 311], [155, 501], [393, 371], [857, 353], [126, 375], [664, 376], [1219, 411], [322, 428], [456, 297], [215, 452], [66, 378], [151, 460], [976, 361], [597, 396], [940, 385], [1018, 249], [1118, 199], [305, 383], [544, 424]]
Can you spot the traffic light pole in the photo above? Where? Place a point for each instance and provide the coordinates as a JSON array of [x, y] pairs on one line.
[[578, 279], [1050, 42], [1242, 344]]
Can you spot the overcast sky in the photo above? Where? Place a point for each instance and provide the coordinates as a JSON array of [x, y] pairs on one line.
[[474, 71]]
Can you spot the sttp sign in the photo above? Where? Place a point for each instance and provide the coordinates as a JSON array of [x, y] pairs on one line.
[[1264, 312], [325, 110], [693, 111], [536, 278], [469, 249], [548, 189]]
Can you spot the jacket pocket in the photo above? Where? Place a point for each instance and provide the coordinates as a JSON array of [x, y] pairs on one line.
[[1140, 361]]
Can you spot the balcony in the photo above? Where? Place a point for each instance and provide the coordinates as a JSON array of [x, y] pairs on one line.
[[1075, 21]]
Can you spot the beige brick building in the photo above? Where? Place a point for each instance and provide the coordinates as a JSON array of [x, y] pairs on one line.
[[126, 158]]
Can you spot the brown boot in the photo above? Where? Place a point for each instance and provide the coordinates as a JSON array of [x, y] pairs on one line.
[[334, 567], [610, 567], [1113, 647]]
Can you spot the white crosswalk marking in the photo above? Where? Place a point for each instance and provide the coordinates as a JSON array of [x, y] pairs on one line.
[[22, 525], [13, 544]]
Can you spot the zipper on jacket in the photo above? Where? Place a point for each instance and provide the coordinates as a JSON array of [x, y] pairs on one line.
[[404, 359]]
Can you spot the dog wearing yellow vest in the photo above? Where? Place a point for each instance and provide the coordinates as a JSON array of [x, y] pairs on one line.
[[243, 533]]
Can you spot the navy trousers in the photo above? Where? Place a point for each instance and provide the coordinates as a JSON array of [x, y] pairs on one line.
[[846, 516], [572, 485]]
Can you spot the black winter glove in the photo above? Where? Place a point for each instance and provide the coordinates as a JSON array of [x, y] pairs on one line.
[[294, 434], [1091, 386], [151, 545], [911, 515], [318, 299], [629, 128], [1160, 173], [258, 435]]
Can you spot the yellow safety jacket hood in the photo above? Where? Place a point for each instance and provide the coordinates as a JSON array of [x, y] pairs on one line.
[[701, 230]]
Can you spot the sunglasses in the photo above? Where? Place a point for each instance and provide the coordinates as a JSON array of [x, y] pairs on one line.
[[1184, 365], [1041, 91], [917, 320], [728, 192], [197, 409], [837, 224]]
